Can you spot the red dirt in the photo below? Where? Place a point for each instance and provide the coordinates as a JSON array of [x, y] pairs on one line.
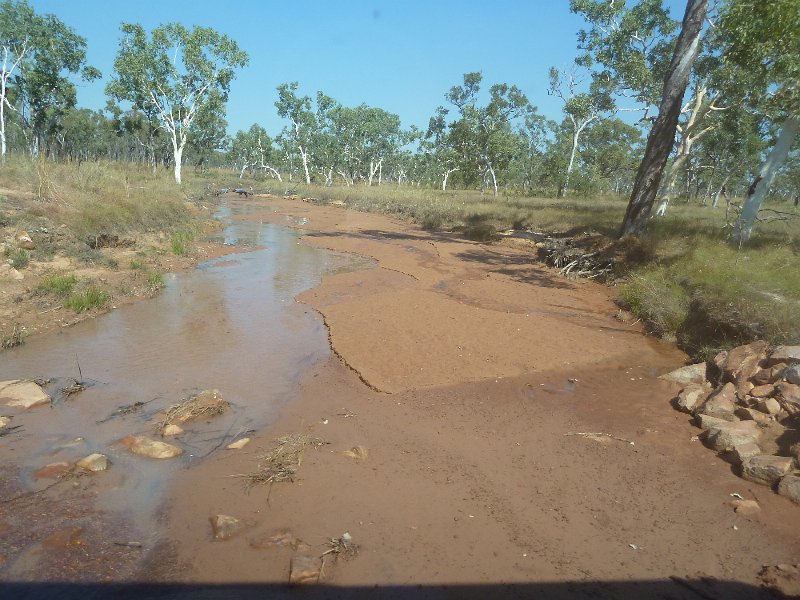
[[486, 370]]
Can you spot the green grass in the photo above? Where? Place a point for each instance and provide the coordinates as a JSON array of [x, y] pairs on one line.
[[61, 285], [155, 280], [19, 258], [137, 265], [87, 299], [180, 243]]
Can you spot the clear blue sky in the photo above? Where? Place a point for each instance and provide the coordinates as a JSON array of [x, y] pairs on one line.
[[400, 55]]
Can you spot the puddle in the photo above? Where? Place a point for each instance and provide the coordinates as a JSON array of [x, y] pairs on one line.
[[231, 324]]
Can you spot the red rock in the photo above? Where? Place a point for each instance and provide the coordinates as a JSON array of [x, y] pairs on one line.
[[52, 471], [762, 391], [743, 361]]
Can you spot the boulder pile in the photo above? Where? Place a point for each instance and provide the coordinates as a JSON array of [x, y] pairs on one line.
[[747, 402]]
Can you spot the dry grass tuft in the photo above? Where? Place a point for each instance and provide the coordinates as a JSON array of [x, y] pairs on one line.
[[208, 403], [282, 462]]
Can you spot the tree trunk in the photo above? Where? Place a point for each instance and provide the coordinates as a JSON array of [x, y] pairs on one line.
[[446, 177], [494, 180], [304, 155], [662, 135], [177, 150], [563, 191], [743, 228]]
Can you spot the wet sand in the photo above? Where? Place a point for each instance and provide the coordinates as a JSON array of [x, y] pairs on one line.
[[482, 369], [472, 375]]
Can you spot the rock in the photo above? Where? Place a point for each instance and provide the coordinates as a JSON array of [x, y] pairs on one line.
[[719, 360], [706, 421], [171, 430], [52, 470], [776, 372], [785, 354], [10, 272], [743, 451], [745, 507], [765, 468], [224, 526], [27, 394], [743, 361], [304, 569], [692, 396], [769, 406], [749, 414], [686, 375], [238, 444], [792, 374], [5, 422], [722, 403], [357, 452], [762, 391], [144, 446], [726, 436], [790, 488], [277, 539], [93, 462], [762, 377], [788, 395], [24, 241], [743, 388]]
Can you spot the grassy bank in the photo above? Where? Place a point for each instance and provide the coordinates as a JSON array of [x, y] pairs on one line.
[[684, 280], [100, 231]]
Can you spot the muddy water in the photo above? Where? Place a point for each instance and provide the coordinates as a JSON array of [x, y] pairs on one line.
[[231, 324]]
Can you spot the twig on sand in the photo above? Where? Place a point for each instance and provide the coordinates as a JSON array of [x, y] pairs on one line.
[[282, 462], [595, 436]]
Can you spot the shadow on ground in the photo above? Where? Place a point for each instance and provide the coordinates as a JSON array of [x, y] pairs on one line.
[[675, 588]]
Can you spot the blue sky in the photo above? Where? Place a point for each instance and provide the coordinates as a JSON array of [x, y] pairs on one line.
[[400, 55]]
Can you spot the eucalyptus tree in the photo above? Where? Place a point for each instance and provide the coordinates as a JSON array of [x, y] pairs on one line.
[[303, 122], [763, 39], [253, 150], [662, 135], [441, 148], [483, 135], [610, 154], [581, 109], [39, 55], [175, 72]]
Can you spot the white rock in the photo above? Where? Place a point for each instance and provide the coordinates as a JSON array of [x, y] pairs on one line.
[[744, 451], [238, 444], [5, 422], [172, 429], [27, 394], [685, 375], [93, 462], [785, 354]]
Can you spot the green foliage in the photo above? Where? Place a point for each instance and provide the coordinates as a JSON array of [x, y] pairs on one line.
[[179, 76], [180, 243], [155, 280], [656, 298], [60, 285], [19, 258], [87, 299], [136, 264]]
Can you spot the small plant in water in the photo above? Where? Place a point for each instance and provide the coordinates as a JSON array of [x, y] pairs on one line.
[[90, 298]]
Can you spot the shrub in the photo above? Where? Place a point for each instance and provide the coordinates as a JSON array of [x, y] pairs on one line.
[[658, 300]]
